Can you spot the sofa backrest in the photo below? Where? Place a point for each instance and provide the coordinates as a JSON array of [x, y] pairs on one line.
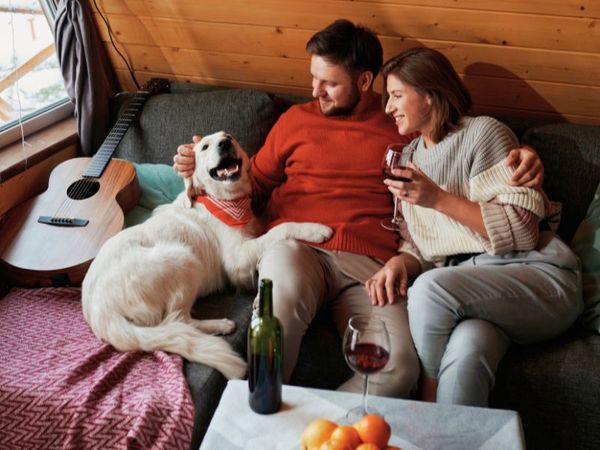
[[570, 153], [571, 157], [168, 120]]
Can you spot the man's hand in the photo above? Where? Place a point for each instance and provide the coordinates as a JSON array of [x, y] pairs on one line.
[[530, 170], [184, 161], [390, 283]]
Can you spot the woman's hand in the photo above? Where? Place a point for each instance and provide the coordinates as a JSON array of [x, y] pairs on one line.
[[530, 170], [389, 282], [419, 191], [424, 192], [184, 161]]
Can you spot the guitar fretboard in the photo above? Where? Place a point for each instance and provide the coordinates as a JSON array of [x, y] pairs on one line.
[[104, 154]]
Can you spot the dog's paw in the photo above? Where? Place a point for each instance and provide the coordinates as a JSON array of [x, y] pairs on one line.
[[225, 326], [314, 232], [214, 326]]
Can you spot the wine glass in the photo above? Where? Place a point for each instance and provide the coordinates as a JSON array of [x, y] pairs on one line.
[[396, 156], [366, 350]]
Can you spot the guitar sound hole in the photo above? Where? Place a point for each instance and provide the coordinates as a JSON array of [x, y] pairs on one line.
[[82, 189]]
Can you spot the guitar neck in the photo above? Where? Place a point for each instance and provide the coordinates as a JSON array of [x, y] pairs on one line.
[[108, 147]]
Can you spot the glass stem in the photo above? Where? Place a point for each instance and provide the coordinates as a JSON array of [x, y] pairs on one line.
[[365, 395], [395, 218]]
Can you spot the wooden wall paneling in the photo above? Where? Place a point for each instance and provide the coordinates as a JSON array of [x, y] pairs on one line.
[[528, 114], [144, 76], [209, 36], [509, 111], [462, 25], [542, 96], [548, 57], [127, 29], [570, 8], [521, 63], [534, 95], [535, 64], [230, 66]]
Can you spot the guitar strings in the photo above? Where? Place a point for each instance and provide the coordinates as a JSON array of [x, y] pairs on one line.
[[81, 188]]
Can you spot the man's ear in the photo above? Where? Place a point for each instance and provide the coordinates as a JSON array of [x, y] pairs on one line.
[[365, 81]]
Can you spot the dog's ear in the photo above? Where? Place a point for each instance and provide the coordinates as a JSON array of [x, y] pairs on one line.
[[189, 192]]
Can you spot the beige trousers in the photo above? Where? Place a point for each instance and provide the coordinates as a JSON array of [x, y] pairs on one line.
[[306, 279]]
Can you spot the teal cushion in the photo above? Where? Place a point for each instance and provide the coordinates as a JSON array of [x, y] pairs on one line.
[[159, 184], [586, 243]]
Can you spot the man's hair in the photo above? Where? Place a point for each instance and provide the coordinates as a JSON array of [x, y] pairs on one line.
[[430, 73], [354, 47]]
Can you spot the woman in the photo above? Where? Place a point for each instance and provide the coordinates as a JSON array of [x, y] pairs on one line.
[[493, 277]]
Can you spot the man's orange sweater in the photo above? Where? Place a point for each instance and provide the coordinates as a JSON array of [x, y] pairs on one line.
[[314, 168]]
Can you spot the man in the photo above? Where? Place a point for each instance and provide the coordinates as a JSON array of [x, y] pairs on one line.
[[321, 162]]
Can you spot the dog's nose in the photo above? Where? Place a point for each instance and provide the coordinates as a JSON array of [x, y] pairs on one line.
[[224, 146]]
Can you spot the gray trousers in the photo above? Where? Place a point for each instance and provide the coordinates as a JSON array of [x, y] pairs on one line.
[[306, 279], [463, 317]]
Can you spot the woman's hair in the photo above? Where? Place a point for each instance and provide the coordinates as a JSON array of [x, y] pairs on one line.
[[354, 47], [430, 73]]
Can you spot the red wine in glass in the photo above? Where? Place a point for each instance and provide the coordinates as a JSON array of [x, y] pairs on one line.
[[367, 358], [396, 157], [388, 174], [366, 350]]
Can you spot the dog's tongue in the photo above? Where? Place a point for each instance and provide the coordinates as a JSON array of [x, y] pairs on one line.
[[233, 168]]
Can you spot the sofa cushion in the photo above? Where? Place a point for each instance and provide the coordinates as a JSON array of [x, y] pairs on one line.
[[168, 120], [572, 168], [159, 184], [554, 386], [586, 243]]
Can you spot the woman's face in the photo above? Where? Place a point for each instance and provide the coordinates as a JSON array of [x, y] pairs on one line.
[[410, 110]]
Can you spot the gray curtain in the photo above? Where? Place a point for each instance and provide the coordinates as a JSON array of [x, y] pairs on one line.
[[87, 71]]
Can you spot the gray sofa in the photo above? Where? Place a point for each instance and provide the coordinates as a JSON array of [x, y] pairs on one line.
[[554, 386]]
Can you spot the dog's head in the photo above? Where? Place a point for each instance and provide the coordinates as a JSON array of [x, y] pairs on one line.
[[221, 169]]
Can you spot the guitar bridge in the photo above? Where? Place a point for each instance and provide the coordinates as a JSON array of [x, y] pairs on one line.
[[63, 221]]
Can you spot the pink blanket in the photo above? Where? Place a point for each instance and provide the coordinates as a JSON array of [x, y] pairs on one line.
[[61, 387]]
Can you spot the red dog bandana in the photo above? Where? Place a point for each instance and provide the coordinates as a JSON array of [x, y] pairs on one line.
[[235, 213]]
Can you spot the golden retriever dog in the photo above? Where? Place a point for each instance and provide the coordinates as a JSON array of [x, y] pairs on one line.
[[139, 291]]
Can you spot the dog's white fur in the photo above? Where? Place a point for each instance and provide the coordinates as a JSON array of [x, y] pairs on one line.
[[140, 289]]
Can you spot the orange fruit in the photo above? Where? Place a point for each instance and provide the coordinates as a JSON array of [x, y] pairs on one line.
[[346, 434], [373, 429], [316, 432], [367, 446], [334, 444]]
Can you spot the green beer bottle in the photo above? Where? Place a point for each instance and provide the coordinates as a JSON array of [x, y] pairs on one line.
[[265, 353]]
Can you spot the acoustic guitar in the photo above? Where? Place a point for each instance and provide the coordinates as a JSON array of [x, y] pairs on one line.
[[51, 239]]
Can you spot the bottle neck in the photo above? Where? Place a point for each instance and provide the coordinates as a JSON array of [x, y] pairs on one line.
[[265, 304]]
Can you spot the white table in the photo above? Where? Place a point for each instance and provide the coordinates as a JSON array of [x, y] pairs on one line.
[[415, 425]]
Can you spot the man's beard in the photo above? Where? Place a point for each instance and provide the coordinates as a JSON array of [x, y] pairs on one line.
[[343, 110]]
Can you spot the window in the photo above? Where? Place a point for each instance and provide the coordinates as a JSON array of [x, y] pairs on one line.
[[32, 92]]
